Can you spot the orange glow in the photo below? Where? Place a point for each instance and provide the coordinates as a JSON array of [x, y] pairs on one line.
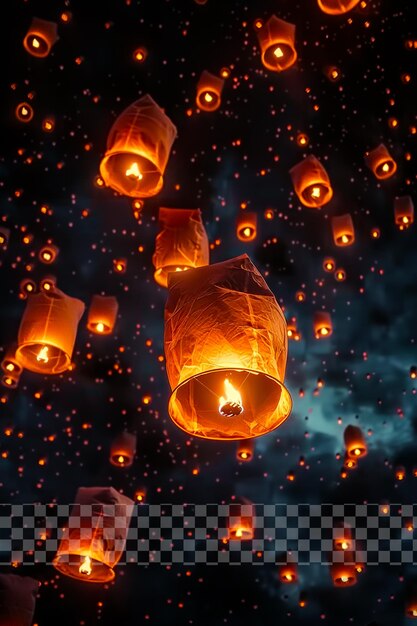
[[340, 275], [40, 37], [140, 54], [337, 7], [322, 324], [134, 171], [380, 162], [329, 265], [311, 182], [246, 226], [209, 90], [404, 212], [42, 356], [231, 403], [277, 43], [24, 112]]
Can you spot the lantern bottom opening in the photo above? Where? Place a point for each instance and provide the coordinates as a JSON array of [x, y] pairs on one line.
[[69, 564], [52, 361], [131, 174], [161, 274]]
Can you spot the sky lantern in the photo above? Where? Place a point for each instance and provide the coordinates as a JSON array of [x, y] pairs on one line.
[[292, 330], [181, 243], [311, 182], [277, 42], [350, 462], [343, 574], [245, 450], [4, 237], [10, 365], [95, 536], [24, 112], [337, 7], [40, 37], [17, 599], [47, 332], [411, 601], [123, 449], [322, 323], [102, 314], [241, 522], [355, 442], [209, 91], [138, 147], [27, 286], [404, 212], [47, 283], [381, 162], [246, 226], [48, 254], [288, 573], [342, 538], [226, 352], [343, 230], [400, 472]]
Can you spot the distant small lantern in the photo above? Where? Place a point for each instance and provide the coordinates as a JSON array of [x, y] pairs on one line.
[[102, 314], [277, 42], [140, 495], [123, 449], [245, 450], [404, 212], [322, 323], [343, 574], [95, 536], [48, 254], [340, 274], [241, 522], [27, 287], [292, 330], [400, 472], [226, 352], [24, 112], [411, 602], [40, 37], [343, 230], [17, 599], [138, 147], [47, 332], [413, 371], [48, 124], [209, 91], [120, 266], [355, 442], [337, 7], [246, 226], [181, 244], [311, 182], [10, 365], [10, 380], [329, 264], [349, 462], [4, 237], [47, 283], [342, 538], [288, 573], [381, 162]]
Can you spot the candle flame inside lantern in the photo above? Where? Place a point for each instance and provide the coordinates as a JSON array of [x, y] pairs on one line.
[[315, 192], [230, 405], [85, 567], [385, 167], [121, 459], [344, 579], [100, 327], [278, 53], [134, 171], [35, 43], [42, 356], [208, 97]]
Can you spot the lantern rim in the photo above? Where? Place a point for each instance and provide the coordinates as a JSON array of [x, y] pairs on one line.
[[285, 400], [136, 192], [71, 570], [161, 273], [40, 52], [30, 364], [288, 61]]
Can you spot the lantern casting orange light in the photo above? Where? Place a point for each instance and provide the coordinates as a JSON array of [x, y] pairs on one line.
[[355, 442], [123, 449], [311, 182], [337, 7], [404, 212], [209, 91], [40, 37], [277, 42], [245, 450], [222, 323], [343, 230], [322, 324], [102, 314], [246, 226], [381, 162]]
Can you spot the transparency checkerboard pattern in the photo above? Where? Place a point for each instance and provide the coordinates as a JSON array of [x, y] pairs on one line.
[[199, 533]]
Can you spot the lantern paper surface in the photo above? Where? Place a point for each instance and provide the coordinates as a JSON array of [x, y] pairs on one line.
[[95, 537], [311, 182], [355, 442], [226, 352], [40, 37], [404, 212], [138, 148], [181, 244], [209, 91], [337, 7], [102, 314], [343, 230], [47, 332], [17, 599], [123, 449], [381, 162], [277, 42]]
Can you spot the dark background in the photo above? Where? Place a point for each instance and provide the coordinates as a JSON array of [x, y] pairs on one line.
[[365, 364]]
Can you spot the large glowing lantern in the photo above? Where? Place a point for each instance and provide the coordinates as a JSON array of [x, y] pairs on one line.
[[40, 37], [343, 230], [123, 449], [209, 91], [337, 7], [311, 182], [322, 323], [17, 599], [246, 226], [181, 244], [404, 212], [226, 352], [102, 314], [138, 147], [381, 162], [355, 442], [277, 42], [95, 537], [47, 332]]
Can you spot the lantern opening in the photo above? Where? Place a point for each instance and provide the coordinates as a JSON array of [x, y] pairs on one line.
[[38, 45], [279, 56], [136, 172], [208, 100], [84, 567], [315, 193], [231, 405]]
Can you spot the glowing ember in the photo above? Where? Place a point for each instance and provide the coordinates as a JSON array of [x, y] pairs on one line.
[[231, 405], [385, 167], [134, 171], [208, 97], [85, 568], [100, 327], [35, 43], [315, 192], [42, 356], [278, 53]]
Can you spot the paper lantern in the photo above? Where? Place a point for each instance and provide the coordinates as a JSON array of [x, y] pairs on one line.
[[337, 7], [102, 314], [350, 462], [10, 380], [343, 230], [343, 574], [277, 42], [381, 162], [27, 286], [10, 364], [322, 324], [48, 283], [355, 442], [120, 266], [4, 237], [24, 112], [47, 332], [40, 37], [226, 352], [140, 494], [17, 599], [411, 601], [400, 472], [340, 274], [48, 254], [48, 124], [404, 212], [95, 537], [311, 182], [123, 449], [209, 91], [246, 226], [288, 573], [138, 148], [181, 243], [240, 522], [245, 450], [342, 538], [292, 330]]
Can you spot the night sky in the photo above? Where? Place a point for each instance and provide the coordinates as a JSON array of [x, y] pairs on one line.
[[56, 431]]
